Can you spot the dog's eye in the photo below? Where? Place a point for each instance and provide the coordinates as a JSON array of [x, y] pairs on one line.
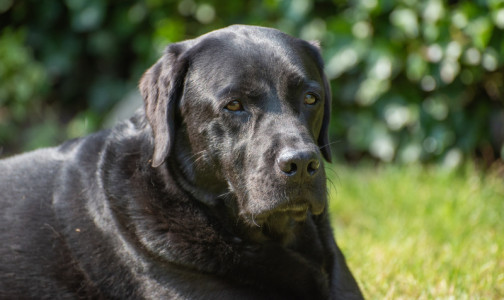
[[234, 105], [310, 99]]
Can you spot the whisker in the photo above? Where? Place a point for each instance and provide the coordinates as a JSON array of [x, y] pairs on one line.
[[224, 195], [331, 184], [254, 221], [199, 156], [331, 143]]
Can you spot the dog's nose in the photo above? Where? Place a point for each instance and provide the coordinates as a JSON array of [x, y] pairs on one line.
[[299, 164]]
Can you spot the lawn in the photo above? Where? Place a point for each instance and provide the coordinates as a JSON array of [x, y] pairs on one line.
[[416, 232]]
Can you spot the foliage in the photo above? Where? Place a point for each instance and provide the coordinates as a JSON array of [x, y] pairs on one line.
[[22, 78], [421, 233], [412, 80], [418, 79]]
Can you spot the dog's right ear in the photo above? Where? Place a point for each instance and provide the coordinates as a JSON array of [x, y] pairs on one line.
[[161, 88], [323, 139]]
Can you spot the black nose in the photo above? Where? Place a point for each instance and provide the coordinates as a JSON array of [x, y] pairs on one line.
[[299, 164]]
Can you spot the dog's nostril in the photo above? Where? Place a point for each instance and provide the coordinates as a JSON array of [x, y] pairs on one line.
[[313, 167], [292, 168], [288, 168]]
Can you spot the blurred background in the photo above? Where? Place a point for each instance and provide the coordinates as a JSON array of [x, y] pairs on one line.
[[417, 191], [413, 81]]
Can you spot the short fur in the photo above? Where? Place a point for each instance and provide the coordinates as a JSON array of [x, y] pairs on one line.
[[187, 199]]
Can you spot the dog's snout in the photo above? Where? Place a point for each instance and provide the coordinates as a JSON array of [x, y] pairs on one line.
[[299, 164]]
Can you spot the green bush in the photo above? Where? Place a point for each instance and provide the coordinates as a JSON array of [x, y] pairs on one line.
[[418, 80], [412, 80], [22, 85]]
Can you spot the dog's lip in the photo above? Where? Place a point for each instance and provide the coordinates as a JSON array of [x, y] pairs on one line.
[[298, 216], [293, 209], [297, 212]]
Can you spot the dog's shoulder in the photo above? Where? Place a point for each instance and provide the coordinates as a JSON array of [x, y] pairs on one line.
[[53, 213]]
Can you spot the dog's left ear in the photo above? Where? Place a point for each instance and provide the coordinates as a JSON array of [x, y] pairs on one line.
[[161, 88], [323, 139]]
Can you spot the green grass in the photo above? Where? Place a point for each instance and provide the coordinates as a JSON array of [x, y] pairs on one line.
[[415, 232]]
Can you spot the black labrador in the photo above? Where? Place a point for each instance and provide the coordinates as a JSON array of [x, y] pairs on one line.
[[215, 190]]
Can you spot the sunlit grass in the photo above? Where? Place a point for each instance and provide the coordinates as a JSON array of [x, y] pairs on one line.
[[415, 232]]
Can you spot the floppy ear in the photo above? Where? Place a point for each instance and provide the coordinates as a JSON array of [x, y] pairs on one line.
[[161, 87], [323, 140]]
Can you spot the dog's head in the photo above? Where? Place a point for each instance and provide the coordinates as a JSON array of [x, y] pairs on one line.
[[242, 115]]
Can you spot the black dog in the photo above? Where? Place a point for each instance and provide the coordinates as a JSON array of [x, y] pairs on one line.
[[216, 190]]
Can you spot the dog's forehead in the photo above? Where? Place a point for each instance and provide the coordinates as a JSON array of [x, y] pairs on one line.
[[251, 56], [246, 37]]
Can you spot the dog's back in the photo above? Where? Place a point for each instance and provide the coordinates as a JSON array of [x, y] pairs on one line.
[[34, 258]]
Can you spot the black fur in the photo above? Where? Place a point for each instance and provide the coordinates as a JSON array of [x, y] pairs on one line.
[[187, 199]]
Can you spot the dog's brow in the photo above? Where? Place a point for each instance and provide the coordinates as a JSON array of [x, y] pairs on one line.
[[297, 79], [313, 85], [305, 82], [235, 90], [302, 79]]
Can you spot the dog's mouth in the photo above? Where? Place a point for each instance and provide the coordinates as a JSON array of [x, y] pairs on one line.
[[296, 212], [278, 214], [279, 224], [285, 216], [288, 211]]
